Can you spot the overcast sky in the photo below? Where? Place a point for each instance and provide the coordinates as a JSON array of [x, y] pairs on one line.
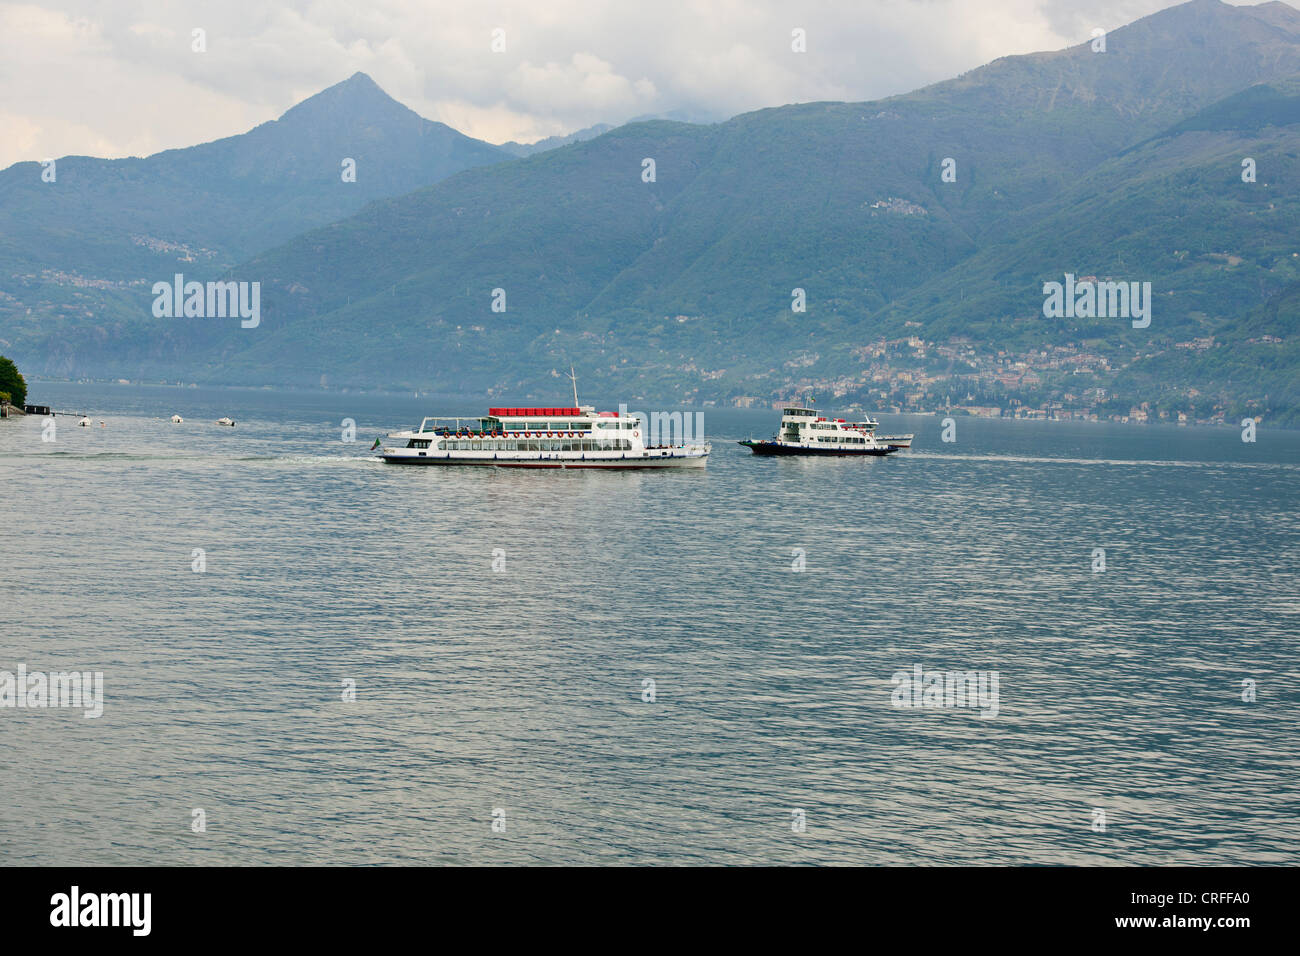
[[120, 78]]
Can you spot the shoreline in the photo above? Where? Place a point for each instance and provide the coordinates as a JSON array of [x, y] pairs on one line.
[[316, 390]]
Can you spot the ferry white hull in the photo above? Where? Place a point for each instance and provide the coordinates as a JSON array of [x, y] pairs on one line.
[[773, 448], [613, 461], [895, 441]]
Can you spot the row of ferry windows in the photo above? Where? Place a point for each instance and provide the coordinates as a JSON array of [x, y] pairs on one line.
[[526, 444], [846, 439], [561, 426], [823, 426]]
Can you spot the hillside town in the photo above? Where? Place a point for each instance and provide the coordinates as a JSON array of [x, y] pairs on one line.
[[1071, 382]]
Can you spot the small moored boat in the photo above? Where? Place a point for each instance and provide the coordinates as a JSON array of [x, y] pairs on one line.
[[895, 442]]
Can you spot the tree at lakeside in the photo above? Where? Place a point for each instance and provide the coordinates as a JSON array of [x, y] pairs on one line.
[[13, 387]]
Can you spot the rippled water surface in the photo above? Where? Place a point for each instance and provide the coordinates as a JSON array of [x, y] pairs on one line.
[[522, 689]]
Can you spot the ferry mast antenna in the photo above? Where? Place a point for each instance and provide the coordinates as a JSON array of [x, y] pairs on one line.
[[574, 378]]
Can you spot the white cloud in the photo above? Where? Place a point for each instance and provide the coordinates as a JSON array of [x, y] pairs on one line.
[[81, 76], [583, 84]]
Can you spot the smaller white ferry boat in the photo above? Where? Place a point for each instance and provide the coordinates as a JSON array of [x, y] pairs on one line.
[[177, 420], [226, 421], [804, 432]]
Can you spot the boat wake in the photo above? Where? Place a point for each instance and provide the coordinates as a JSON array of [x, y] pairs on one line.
[[1139, 462]]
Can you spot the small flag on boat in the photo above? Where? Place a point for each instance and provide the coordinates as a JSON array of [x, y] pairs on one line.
[[375, 445]]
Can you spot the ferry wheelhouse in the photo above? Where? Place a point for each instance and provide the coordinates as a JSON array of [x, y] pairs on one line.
[[573, 437], [804, 432]]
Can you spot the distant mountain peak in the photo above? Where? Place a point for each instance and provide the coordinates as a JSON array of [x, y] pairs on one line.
[[357, 93], [358, 84], [1277, 13]]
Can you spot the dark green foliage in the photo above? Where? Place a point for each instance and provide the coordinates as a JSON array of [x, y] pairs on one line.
[[12, 384]]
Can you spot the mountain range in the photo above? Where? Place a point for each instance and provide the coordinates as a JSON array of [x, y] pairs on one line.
[[919, 230]]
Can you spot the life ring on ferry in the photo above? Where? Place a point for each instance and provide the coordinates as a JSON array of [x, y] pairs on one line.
[[636, 434], [550, 434]]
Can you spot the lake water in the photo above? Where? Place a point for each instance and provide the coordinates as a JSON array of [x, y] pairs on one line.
[[521, 689]]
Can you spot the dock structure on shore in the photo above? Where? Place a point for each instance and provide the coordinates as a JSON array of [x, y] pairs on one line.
[[13, 411]]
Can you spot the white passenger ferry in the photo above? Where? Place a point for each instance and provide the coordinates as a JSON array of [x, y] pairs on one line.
[[573, 437], [804, 432]]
